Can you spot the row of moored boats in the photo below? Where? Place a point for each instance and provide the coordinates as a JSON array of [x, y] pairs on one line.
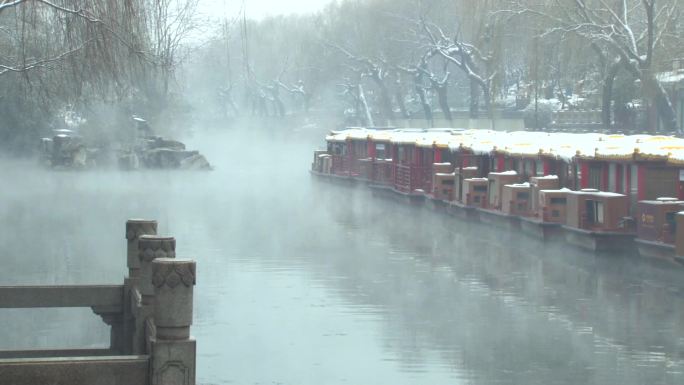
[[596, 191]]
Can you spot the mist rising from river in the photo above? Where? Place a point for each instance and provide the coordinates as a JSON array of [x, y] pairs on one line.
[[304, 283]]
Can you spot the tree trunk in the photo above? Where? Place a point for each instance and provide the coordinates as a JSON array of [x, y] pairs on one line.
[[369, 116], [358, 107], [653, 91], [386, 100], [280, 107], [665, 109], [233, 106], [607, 94], [427, 109], [400, 102], [444, 101], [487, 97], [474, 99], [488, 104]]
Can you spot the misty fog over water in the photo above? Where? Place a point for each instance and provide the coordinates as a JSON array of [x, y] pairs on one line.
[[305, 283]]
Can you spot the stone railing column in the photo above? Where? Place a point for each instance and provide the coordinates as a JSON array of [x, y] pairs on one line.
[[150, 247], [135, 228], [172, 350]]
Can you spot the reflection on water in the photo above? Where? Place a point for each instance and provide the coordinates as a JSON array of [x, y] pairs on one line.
[[304, 283]]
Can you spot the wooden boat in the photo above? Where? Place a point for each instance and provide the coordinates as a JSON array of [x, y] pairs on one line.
[[440, 169], [598, 221], [656, 227]]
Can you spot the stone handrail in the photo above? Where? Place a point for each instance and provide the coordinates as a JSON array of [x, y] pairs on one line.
[[62, 296], [55, 353], [150, 317], [107, 370]]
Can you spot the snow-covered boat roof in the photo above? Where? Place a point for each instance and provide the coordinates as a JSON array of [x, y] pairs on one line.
[[564, 146], [563, 190], [419, 136], [597, 193], [518, 185]]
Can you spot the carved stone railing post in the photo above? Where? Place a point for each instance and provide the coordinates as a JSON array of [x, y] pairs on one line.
[[150, 247], [135, 228], [172, 351]]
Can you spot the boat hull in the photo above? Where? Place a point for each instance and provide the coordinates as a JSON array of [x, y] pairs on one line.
[[658, 250], [435, 204], [499, 219], [337, 179], [390, 193], [464, 212], [599, 241], [544, 231]]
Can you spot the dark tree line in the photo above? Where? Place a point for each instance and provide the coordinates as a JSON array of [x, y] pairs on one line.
[[62, 56], [409, 59], [375, 61]]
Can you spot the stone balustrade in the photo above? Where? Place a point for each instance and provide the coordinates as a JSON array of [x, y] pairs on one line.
[[150, 317]]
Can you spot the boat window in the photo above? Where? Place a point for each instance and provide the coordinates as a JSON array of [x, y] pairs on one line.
[[660, 182], [599, 212], [619, 176], [559, 201], [447, 156], [591, 213], [360, 150], [625, 178], [491, 186], [529, 167], [634, 178], [595, 176], [380, 151], [428, 156], [513, 164], [595, 212], [339, 149], [612, 177], [539, 168], [671, 220]]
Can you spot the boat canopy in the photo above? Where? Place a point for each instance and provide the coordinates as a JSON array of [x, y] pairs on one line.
[[565, 146]]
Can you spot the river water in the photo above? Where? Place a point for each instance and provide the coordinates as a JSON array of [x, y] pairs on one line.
[[300, 282]]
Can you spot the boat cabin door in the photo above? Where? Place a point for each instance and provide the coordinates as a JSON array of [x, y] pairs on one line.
[[594, 210]]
